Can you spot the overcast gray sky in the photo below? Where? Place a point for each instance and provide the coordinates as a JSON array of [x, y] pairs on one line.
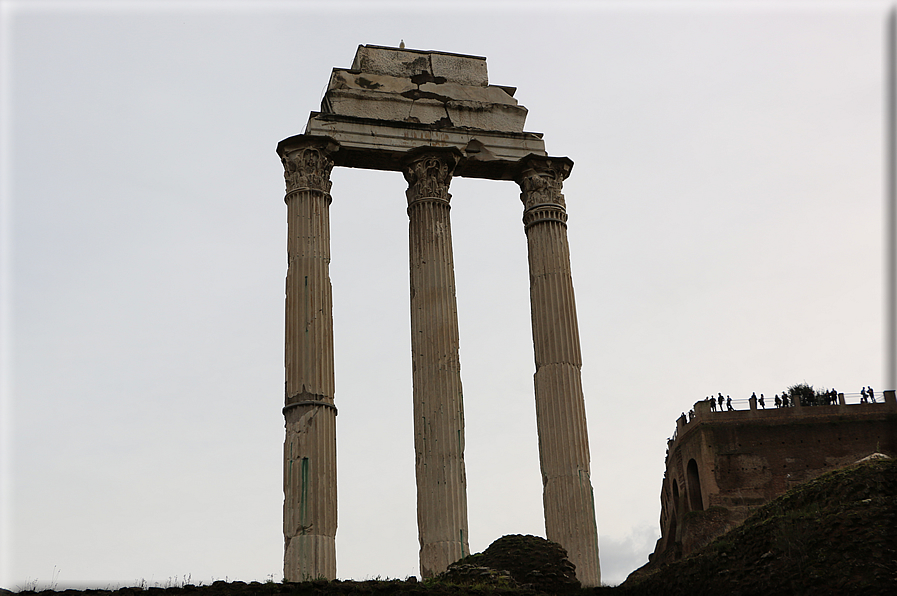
[[726, 229]]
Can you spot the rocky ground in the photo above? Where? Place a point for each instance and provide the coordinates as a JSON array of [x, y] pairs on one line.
[[835, 535]]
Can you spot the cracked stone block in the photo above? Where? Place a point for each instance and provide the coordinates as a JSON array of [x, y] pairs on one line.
[[466, 70], [504, 118], [427, 111], [344, 79], [489, 94], [458, 68], [385, 106]]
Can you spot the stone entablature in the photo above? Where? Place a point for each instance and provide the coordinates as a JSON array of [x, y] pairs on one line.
[[422, 100], [424, 87], [394, 100], [735, 461]]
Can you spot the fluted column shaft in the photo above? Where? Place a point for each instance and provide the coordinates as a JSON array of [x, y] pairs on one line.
[[567, 496], [438, 408], [309, 482]]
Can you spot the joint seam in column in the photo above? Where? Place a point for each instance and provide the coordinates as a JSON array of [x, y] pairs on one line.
[[312, 403], [308, 189], [527, 226]]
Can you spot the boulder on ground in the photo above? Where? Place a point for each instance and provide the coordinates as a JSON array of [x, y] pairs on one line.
[[530, 560]]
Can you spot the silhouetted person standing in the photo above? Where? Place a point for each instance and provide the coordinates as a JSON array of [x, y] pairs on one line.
[[762, 403], [729, 404]]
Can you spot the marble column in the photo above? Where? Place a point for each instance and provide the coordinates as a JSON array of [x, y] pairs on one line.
[[436, 369], [567, 495], [309, 481]]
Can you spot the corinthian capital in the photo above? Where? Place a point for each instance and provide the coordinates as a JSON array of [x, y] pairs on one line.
[[428, 171], [541, 180], [306, 162]]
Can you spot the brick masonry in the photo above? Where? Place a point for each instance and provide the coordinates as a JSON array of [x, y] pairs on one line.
[[728, 463]]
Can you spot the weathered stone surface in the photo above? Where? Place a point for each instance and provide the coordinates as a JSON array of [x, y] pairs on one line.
[[490, 95], [467, 70], [359, 104], [310, 510], [377, 145], [394, 100], [309, 476], [388, 98], [384, 85], [427, 111], [436, 367], [343, 79], [400, 62], [567, 497]]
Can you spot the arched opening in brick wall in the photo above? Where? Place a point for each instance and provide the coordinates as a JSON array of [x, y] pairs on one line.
[[693, 480], [674, 513]]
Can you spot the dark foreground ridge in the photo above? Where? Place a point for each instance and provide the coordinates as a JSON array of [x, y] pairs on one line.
[[835, 535]]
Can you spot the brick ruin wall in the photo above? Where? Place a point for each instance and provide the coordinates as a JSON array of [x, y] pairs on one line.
[[725, 464]]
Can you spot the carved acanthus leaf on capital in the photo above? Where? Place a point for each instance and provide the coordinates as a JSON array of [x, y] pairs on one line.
[[541, 180], [429, 175], [307, 166]]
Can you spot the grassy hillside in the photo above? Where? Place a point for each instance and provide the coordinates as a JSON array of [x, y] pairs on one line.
[[835, 535]]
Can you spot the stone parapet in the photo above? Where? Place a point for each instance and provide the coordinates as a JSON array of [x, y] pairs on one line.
[[703, 415]]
